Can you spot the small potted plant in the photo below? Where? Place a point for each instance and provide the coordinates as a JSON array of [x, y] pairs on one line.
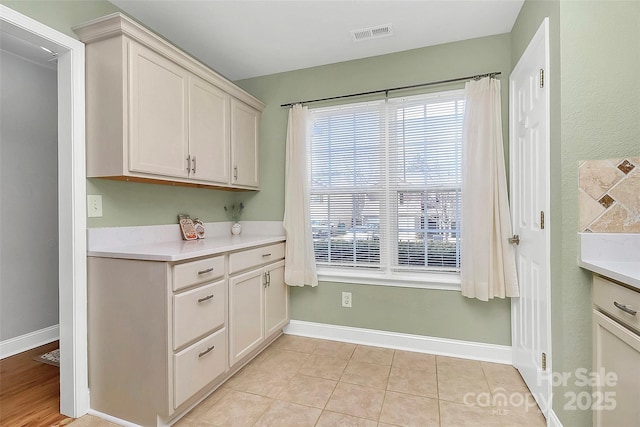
[[234, 212]]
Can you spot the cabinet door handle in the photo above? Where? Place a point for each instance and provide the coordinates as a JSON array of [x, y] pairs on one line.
[[625, 308], [193, 159], [208, 270], [208, 350], [268, 278], [203, 299], [264, 279], [235, 173], [188, 163]]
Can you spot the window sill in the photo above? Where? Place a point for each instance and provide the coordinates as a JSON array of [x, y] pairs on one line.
[[439, 281]]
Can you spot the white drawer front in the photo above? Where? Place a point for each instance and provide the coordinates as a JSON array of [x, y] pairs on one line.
[[197, 312], [239, 261], [617, 301], [198, 365], [191, 273]]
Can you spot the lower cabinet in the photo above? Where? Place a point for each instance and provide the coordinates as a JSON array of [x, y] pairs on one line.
[[163, 335], [246, 313], [258, 300], [616, 354], [276, 299]]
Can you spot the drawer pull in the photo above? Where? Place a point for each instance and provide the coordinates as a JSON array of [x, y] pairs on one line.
[[266, 255], [625, 308], [208, 270], [203, 299], [208, 350]]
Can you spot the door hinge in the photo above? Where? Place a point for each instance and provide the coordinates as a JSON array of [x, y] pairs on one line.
[[544, 361], [541, 220], [541, 77]]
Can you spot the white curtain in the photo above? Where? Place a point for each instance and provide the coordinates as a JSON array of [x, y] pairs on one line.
[[488, 261], [300, 263]]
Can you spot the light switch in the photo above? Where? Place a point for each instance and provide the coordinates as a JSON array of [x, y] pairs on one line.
[[94, 206]]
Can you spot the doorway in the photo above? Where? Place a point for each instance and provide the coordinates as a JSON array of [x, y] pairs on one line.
[[530, 206], [71, 196]]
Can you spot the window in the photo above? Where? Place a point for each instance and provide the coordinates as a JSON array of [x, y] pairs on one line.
[[385, 188]]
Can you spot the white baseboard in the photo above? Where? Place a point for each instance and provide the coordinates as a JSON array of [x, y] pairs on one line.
[[440, 346], [28, 341], [111, 419]]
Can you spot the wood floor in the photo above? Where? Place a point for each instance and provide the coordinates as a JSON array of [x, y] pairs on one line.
[[30, 391]]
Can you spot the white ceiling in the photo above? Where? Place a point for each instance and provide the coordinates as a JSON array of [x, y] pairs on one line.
[[242, 39]]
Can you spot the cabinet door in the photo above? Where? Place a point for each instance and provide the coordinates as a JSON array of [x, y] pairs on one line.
[[276, 301], [158, 140], [616, 351], [245, 123], [246, 313], [208, 132]]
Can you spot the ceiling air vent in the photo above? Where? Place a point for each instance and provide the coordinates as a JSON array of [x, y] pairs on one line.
[[371, 32]]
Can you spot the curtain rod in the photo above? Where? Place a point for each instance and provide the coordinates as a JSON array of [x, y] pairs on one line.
[[386, 91]]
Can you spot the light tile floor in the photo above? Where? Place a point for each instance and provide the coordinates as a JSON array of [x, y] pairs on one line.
[[301, 381]]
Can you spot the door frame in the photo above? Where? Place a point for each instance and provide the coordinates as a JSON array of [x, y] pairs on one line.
[[72, 221], [541, 36]]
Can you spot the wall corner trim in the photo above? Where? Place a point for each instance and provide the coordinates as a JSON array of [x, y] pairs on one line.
[[28, 341], [399, 341], [552, 419]]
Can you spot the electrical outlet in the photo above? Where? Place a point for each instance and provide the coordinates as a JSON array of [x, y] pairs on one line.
[[346, 299], [94, 206]]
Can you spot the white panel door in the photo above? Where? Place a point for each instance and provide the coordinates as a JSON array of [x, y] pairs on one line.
[[158, 139], [208, 132], [529, 148], [245, 123]]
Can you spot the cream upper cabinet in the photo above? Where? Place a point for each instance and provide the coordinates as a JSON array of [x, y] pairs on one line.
[[208, 131], [156, 114], [245, 125]]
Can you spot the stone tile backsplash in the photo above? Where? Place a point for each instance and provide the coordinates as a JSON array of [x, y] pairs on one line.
[[610, 195]]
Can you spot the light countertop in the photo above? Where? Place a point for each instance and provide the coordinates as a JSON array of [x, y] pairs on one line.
[[613, 255], [163, 242]]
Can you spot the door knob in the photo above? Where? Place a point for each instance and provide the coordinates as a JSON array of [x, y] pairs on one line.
[[515, 239]]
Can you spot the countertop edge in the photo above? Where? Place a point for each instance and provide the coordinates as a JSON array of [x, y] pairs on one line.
[[594, 267], [146, 252]]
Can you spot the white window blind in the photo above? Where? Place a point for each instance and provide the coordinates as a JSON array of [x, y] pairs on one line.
[[385, 184]]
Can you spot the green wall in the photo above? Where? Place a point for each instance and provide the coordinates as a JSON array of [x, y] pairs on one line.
[[416, 311], [399, 69], [133, 203], [595, 105]]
